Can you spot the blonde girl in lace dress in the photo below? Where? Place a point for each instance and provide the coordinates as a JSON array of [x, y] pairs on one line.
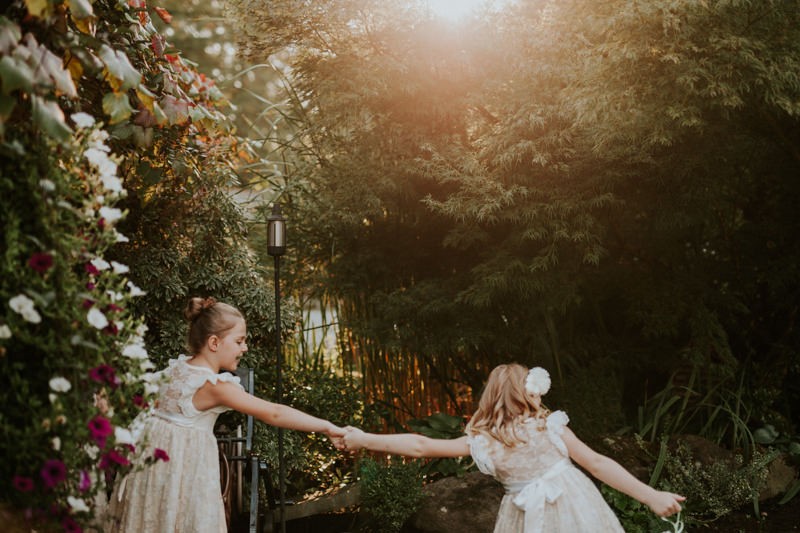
[[181, 492], [513, 438]]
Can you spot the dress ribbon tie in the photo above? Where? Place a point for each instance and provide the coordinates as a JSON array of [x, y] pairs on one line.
[[531, 496]]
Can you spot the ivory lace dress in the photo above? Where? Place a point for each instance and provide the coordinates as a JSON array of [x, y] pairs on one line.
[[183, 494], [545, 492]]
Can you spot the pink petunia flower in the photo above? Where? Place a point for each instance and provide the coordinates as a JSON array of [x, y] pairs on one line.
[[85, 482], [41, 262], [100, 428], [53, 472], [160, 455], [23, 484]]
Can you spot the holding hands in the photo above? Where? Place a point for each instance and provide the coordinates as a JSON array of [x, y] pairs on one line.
[[353, 439]]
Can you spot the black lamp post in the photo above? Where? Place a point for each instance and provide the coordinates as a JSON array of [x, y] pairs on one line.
[[276, 247]]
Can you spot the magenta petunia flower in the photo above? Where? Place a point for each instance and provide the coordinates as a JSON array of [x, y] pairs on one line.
[[160, 455], [53, 472], [41, 262], [70, 525], [138, 401], [103, 374], [23, 484], [90, 286], [111, 329], [113, 457], [85, 482], [100, 428], [87, 303], [91, 269]]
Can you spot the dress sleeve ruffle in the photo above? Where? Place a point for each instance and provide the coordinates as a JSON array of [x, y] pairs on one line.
[[197, 380], [556, 422], [479, 450]]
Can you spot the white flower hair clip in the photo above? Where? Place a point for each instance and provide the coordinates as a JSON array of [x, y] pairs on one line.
[[538, 381]]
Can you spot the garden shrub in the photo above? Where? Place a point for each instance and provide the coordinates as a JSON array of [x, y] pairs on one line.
[[390, 493], [718, 487], [73, 368]]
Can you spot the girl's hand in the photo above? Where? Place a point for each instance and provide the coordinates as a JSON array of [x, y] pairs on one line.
[[353, 439], [335, 433], [665, 503]]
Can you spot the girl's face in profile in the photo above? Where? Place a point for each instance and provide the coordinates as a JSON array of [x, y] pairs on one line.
[[232, 346]]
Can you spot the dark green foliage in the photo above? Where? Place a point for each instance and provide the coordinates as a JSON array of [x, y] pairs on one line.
[[390, 493], [556, 183], [311, 461], [442, 426]]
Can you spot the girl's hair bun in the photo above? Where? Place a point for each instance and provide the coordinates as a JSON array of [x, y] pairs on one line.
[[196, 306]]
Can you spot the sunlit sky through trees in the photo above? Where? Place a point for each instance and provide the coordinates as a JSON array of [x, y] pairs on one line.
[[454, 10]]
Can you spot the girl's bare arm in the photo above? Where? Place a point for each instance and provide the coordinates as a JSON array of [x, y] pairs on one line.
[[409, 444], [613, 474]]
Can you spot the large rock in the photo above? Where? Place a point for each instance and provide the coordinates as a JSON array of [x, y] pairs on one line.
[[459, 504]]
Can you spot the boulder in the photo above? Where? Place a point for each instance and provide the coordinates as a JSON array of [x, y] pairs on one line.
[[466, 503]]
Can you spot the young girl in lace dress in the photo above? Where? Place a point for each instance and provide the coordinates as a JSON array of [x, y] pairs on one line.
[[181, 492], [513, 438]]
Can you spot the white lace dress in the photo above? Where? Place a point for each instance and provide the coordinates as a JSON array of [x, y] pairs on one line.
[[545, 492], [183, 494]]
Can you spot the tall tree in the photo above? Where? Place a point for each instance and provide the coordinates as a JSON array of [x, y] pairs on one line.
[[552, 182]]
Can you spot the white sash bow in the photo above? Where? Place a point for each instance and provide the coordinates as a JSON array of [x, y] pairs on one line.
[[531, 496]]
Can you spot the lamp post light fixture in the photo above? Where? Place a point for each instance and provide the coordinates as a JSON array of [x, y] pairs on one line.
[[276, 247]]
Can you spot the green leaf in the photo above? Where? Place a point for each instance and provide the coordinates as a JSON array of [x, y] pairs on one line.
[[7, 104], [15, 75], [124, 76], [117, 107], [81, 9], [10, 35], [48, 116]]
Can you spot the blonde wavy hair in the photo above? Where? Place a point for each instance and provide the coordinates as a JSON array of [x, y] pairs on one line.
[[504, 405]]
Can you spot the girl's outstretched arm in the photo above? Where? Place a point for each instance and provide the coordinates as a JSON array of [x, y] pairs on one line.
[[612, 473], [409, 444], [274, 414]]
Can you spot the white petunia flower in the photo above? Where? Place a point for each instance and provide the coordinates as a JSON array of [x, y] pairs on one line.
[[60, 384], [96, 318], [77, 504], [110, 214], [111, 183], [151, 388], [147, 365], [47, 185], [135, 291], [91, 450], [56, 442], [114, 296], [24, 306], [120, 237], [95, 156], [538, 381], [100, 264], [134, 351], [119, 268], [52, 397], [5, 332], [123, 436], [83, 120]]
